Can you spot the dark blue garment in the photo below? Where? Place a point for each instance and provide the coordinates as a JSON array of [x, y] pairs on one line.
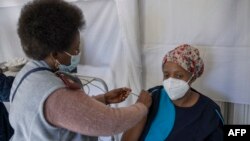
[[164, 120], [6, 130], [5, 86], [152, 110], [201, 122]]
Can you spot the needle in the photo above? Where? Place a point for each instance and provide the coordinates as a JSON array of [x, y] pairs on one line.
[[149, 93], [135, 94]]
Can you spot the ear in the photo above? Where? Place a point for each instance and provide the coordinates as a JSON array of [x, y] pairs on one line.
[[54, 55], [192, 80]]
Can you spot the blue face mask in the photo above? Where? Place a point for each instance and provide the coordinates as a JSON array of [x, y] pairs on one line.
[[75, 59]]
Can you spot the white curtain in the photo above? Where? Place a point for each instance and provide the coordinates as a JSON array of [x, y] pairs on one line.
[[129, 24], [131, 36], [11, 3], [111, 38]]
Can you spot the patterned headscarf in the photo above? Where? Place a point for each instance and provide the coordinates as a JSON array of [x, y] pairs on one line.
[[187, 57]]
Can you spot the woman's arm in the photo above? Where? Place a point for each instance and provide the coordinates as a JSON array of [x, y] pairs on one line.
[[76, 111], [134, 133]]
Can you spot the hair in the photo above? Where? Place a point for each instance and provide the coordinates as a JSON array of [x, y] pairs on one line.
[[47, 26]]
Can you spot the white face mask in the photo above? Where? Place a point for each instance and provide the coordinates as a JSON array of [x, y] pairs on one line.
[[176, 88]]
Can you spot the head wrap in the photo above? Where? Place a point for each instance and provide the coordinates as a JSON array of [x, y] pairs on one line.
[[187, 57]]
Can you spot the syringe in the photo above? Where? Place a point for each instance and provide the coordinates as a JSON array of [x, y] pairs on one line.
[[149, 93]]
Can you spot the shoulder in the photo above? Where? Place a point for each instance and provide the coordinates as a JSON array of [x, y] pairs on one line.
[[208, 102], [155, 89], [155, 93], [211, 110]]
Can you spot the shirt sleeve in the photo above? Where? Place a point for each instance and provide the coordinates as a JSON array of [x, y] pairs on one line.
[[76, 111]]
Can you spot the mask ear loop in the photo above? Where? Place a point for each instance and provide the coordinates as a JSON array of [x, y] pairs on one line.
[[71, 54], [68, 53]]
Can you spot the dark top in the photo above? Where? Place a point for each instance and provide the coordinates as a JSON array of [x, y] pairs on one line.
[[201, 122], [6, 130], [5, 86]]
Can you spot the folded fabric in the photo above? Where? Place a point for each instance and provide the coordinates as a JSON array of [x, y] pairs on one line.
[[164, 119]]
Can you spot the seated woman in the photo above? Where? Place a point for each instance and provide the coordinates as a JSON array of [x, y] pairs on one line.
[[179, 112]]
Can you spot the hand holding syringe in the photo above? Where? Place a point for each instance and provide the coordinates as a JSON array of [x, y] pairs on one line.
[[144, 98]]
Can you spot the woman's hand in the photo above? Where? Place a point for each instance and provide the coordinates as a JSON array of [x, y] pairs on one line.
[[117, 95]]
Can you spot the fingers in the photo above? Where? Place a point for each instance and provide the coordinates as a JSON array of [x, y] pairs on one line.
[[127, 90], [124, 96]]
